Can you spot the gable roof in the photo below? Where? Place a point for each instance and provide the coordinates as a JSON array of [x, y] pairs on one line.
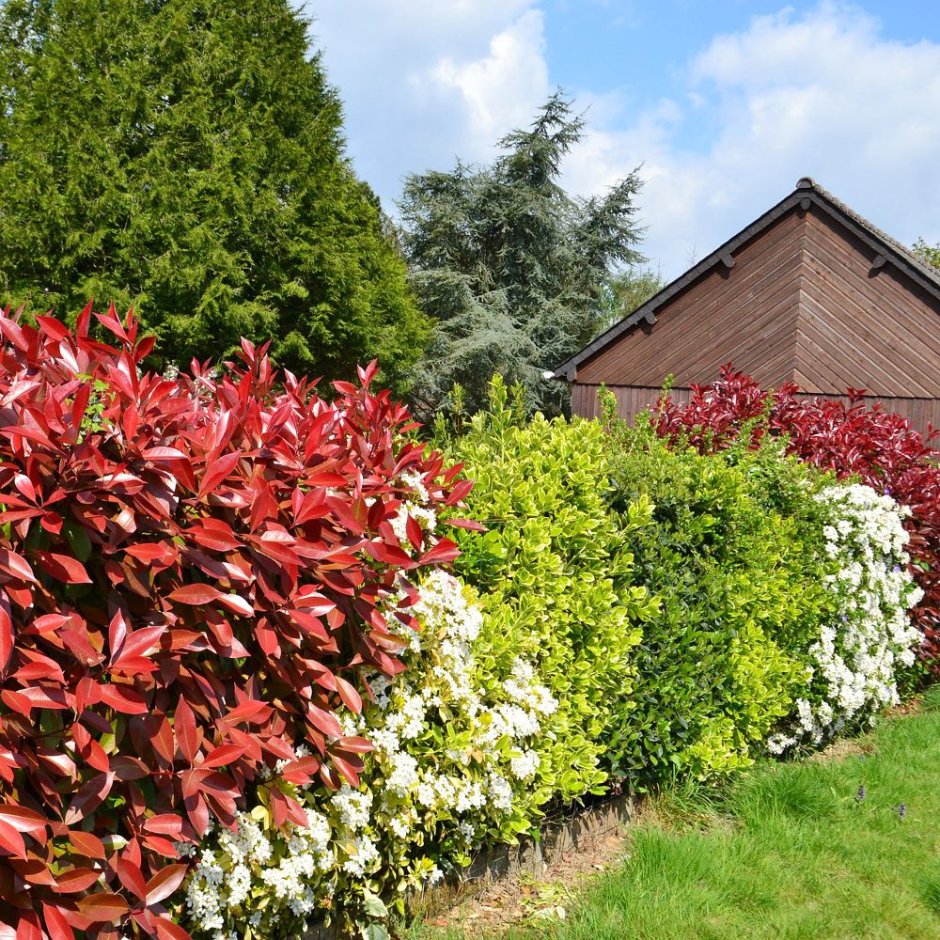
[[807, 193]]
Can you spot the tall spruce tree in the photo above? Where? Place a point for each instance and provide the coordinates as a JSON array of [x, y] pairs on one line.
[[516, 273], [186, 157]]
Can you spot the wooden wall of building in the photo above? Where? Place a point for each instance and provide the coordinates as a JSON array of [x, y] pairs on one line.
[[746, 316], [805, 301], [859, 327]]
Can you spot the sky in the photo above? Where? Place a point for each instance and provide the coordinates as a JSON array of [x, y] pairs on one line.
[[722, 104]]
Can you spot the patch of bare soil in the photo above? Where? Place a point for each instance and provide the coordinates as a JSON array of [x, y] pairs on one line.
[[532, 898], [841, 749]]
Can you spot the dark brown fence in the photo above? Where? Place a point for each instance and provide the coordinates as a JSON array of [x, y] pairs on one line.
[[632, 399]]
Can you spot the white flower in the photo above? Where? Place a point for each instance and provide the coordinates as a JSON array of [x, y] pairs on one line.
[[524, 767], [856, 658]]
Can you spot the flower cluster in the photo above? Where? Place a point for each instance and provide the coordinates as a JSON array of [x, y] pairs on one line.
[[856, 659], [455, 759]]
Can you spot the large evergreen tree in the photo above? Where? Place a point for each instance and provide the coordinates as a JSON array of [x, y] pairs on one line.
[[516, 272], [186, 157]]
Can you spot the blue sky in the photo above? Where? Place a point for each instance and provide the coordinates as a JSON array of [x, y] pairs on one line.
[[724, 104]]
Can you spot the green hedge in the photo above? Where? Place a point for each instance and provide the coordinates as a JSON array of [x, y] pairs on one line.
[[556, 579], [735, 555]]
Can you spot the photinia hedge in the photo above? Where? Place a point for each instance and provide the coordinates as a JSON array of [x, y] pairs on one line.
[[196, 575], [851, 439]]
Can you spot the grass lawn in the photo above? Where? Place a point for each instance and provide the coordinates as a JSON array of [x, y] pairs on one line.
[[820, 849]]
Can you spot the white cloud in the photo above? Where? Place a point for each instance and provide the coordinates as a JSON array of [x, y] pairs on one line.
[[427, 81], [820, 94], [501, 90]]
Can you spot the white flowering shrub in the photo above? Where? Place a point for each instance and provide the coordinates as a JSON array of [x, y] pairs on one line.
[[854, 662], [456, 764]]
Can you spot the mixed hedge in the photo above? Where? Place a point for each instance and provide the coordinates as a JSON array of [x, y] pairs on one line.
[[258, 670], [852, 439]]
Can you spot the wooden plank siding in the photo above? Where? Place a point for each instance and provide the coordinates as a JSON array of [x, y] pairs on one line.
[[631, 400], [748, 316], [858, 328]]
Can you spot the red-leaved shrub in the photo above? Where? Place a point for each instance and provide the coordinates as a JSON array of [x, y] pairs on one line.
[[848, 438], [196, 574]]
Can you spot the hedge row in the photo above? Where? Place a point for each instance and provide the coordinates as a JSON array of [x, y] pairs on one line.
[[241, 690], [853, 440]]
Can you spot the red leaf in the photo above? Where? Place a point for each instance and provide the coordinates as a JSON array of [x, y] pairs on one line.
[[117, 633], [53, 328], [166, 553], [129, 768], [15, 565], [124, 699], [188, 736], [23, 819], [35, 670], [252, 712], [130, 875], [225, 754], [217, 472], [443, 552], [324, 720], [165, 847], [57, 926], [87, 844], [165, 824], [237, 604], [63, 568], [6, 637], [142, 641], [16, 701], [470, 524], [75, 880], [103, 908], [28, 928], [167, 930], [197, 595], [89, 797], [349, 769], [299, 771], [347, 692], [11, 841], [165, 882], [355, 745]]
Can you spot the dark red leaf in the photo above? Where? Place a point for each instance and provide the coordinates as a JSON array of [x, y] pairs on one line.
[[63, 568]]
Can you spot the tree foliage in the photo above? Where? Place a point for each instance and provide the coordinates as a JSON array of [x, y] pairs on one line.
[[186, 157], [197, 576], [513, 269], [929, 254], [630, 289]]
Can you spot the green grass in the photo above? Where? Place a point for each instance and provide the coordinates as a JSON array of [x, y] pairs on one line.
[[788, 852]]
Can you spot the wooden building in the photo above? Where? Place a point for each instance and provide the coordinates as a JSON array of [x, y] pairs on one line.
[[810, 292]]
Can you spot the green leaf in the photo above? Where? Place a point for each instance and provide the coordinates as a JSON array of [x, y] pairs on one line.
[[373, 906]]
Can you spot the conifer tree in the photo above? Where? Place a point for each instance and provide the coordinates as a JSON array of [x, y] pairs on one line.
[[186, 157], [517, 274]]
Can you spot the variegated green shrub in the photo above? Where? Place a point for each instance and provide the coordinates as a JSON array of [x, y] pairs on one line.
[[555, 574]]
